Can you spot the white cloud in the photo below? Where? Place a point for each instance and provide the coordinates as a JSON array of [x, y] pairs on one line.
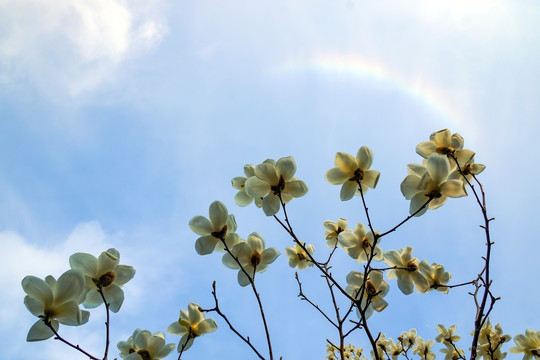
[[72, 46]]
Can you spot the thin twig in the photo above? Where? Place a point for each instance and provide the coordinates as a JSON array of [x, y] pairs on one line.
[[58, 337], [107, 322], [233, 329]]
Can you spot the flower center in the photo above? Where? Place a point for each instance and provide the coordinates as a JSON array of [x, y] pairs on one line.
[[301, 256], [105, 279], [445, 150], [279, 187], [358, 175], [371, 290], [411, 266], [255, 258], [365, 242], [144, 354], [220, 234]]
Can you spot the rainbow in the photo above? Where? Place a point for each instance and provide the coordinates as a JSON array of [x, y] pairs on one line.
[[421, 91]]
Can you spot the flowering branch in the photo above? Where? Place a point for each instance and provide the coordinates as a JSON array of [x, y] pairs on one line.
[[251, 278]]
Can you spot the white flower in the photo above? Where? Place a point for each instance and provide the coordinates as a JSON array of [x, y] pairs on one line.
[[371, 298], [272, 181], [359, 243], [490, 341], [191, 324], [423, 349], [407, 271], [54, 302], [447, 335], [430, 182], [436, 276], [349, 171], [332, 230], [221, 226], [298, 257], [528, 344], [442, 142], [252, 256], [242, 198], [103, 273], [142, 345]]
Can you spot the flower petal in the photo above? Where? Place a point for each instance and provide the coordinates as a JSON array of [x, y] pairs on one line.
[[218, 214], [364, 158], [257, 188], [267, 173], [39, 331], [295, 188], [124, 273], [114, 296], [85, 262], [201, 225], [287, 167], [271, 205], [38, 289], [346, 162], [347, 190], [242, 198], [438, 168], [269, 255], [205, 245], [337, 176]]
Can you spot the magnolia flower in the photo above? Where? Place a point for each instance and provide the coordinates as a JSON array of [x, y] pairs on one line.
[[383, 345], [447, 336], [349, 171], [407, 271], [332, 230], [423, 349], [252, 256], [394, 349], [105, 274], [436, 276], [242, 198], [221, 227], [451, 353], [54, 302], [430, 183], [442, 142], [192, 323], [528, 344], [298, 258], [359, 243], [490, 341], [142, 345], [373, 293], [467, 171], [272, 181], [408, 339]]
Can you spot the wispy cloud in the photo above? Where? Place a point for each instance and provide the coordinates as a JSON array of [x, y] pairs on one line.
[[73, 46]]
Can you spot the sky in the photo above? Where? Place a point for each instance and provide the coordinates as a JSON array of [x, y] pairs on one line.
[[121, 120]]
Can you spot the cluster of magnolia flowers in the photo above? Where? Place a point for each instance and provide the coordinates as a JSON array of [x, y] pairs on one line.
[[94, 281], [446, 170], [89, 282]]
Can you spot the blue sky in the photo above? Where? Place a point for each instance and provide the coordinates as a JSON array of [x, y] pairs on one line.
[[120, 121]]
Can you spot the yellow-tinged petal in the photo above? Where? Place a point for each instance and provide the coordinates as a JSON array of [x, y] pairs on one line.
[[364, 158], [346, 162], [337, 176], [287, 167]]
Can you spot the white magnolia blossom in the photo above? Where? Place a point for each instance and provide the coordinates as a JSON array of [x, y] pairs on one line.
[[442, 142], [142, 345], [447, 336], [252, 256], [103, 273], [272, 181], [349, 171], [221, 226], [371, 296], [423, 349], [407, 271], [430, 182], [436, 276], [359, 244], [191, 324], [54, 302], [242, 198], [490, 341], [527, 344], [333, 229], [298, 258]]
